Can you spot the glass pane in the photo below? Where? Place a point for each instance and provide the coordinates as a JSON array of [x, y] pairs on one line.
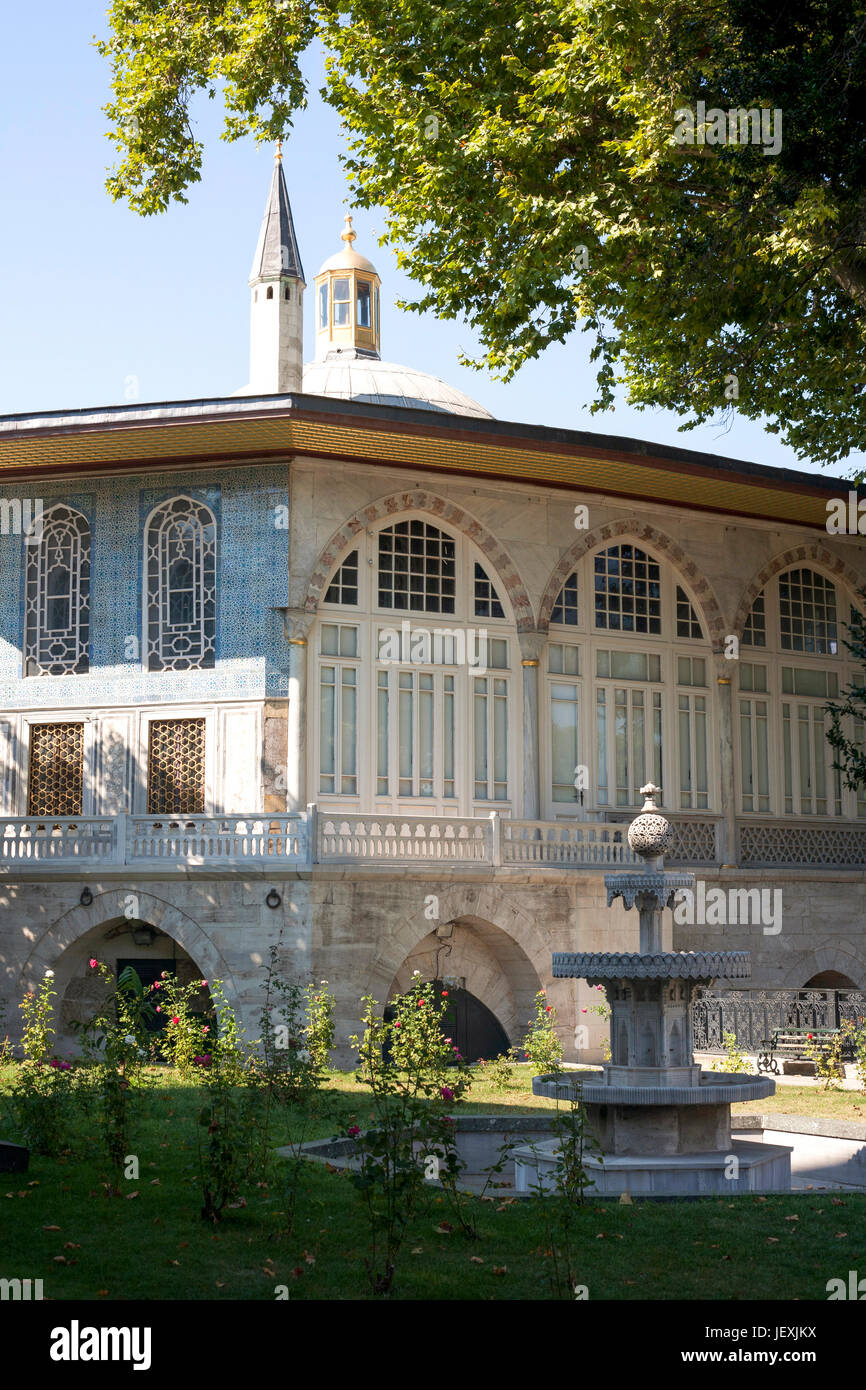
[[805, 759], [405, 737], [685, 753], [497, 648], [621, 747], [564, 741], [820, 755], [382, 734], [448, 738], [629, 666], [500, 743], [701, 778], [348, 739], [348, 641], [762, 741], [327, 741], [554, 659], [363, 304], [330, 639], [323, 305], [425, 738], [480, 703], [684, 670], [657, 741], [746, 754]]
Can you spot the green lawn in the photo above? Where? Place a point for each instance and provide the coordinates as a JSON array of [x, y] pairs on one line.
[[151, 1244]]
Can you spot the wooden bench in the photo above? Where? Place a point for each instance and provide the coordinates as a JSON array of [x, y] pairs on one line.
[[794, 1044]]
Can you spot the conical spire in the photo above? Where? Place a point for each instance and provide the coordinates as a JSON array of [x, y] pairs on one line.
[[277, 251]]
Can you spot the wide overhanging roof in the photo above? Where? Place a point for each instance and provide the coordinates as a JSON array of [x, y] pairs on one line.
[[215, 433]]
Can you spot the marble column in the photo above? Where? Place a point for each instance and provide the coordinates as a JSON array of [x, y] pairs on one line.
[[725, 673], [297, 624], [532, 644]]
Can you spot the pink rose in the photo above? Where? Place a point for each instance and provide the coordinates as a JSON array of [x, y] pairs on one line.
[[93, 962]]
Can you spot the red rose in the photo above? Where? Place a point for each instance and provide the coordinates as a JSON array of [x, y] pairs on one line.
[[175, 1019]]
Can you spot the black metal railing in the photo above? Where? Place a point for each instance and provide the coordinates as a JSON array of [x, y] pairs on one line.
[[753, 1014]]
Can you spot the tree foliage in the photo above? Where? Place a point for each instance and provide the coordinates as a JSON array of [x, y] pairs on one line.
[[501, 136]]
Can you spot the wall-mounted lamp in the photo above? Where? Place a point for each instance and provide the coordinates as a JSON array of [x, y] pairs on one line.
[[86, 897], [144, 935], [273, 900]]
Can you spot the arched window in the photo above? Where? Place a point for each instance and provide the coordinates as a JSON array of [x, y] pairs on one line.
[[629, 697], [627, 590], [417, 568], [791, 666], [414, 655], [270, 293], [57, 603], [180, 578]]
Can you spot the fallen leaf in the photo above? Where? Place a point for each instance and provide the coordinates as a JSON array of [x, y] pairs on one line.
[[101, 1293], [296, 1272], [70, 1245], [792, 1218], [772, 1240], [309, 1259], [34, 1183], [218, 1284], [476, 1260], [444, 1228], [841, 1235], [500, 1269], [49, 1228], [154, 1182], [130, 1196], [60, 1260], [837, 1202], [418, 1250], [174, 1262]]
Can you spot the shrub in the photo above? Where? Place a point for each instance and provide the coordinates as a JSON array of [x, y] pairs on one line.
[[735, 1060], [42, 1095], [542, 1046], [415, 1075]]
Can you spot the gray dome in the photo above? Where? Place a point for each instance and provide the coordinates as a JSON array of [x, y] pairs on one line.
[[351, 377]]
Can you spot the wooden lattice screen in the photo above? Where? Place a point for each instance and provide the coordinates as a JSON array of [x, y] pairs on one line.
[[56, 780], [175, 767]]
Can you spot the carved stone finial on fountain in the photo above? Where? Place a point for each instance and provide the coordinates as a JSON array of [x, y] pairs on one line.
[[650, 834]]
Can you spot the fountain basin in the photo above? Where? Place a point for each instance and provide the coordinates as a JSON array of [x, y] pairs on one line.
[[712, 1088], [743, 1166]]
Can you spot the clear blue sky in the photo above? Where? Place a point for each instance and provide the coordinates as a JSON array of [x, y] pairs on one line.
[[93, 294]]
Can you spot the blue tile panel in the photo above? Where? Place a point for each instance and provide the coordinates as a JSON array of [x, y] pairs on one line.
[[252, 655]]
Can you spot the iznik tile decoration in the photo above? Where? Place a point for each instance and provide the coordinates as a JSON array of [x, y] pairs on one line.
[[252, 654]]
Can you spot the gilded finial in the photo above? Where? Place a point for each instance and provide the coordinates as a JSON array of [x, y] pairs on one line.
[[348, 233], [278, 157]]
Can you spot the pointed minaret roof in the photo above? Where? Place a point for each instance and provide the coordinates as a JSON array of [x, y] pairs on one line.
[[277, 250]]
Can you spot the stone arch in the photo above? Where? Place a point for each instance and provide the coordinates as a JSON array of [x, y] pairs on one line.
[[419, 500], [497, 931], [813, 552], [633, 528], [842, 957], [107, 910]]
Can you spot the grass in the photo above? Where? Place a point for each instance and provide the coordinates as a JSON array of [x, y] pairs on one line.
[[153, 1245]]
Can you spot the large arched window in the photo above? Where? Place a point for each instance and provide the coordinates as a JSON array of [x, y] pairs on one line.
[[416, 644], [791, 663], [180, 586], [57, 599], [628, 692]]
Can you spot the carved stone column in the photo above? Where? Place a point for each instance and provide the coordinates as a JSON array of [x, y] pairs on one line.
[[297, 623], [725, 673], [532, 644]]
